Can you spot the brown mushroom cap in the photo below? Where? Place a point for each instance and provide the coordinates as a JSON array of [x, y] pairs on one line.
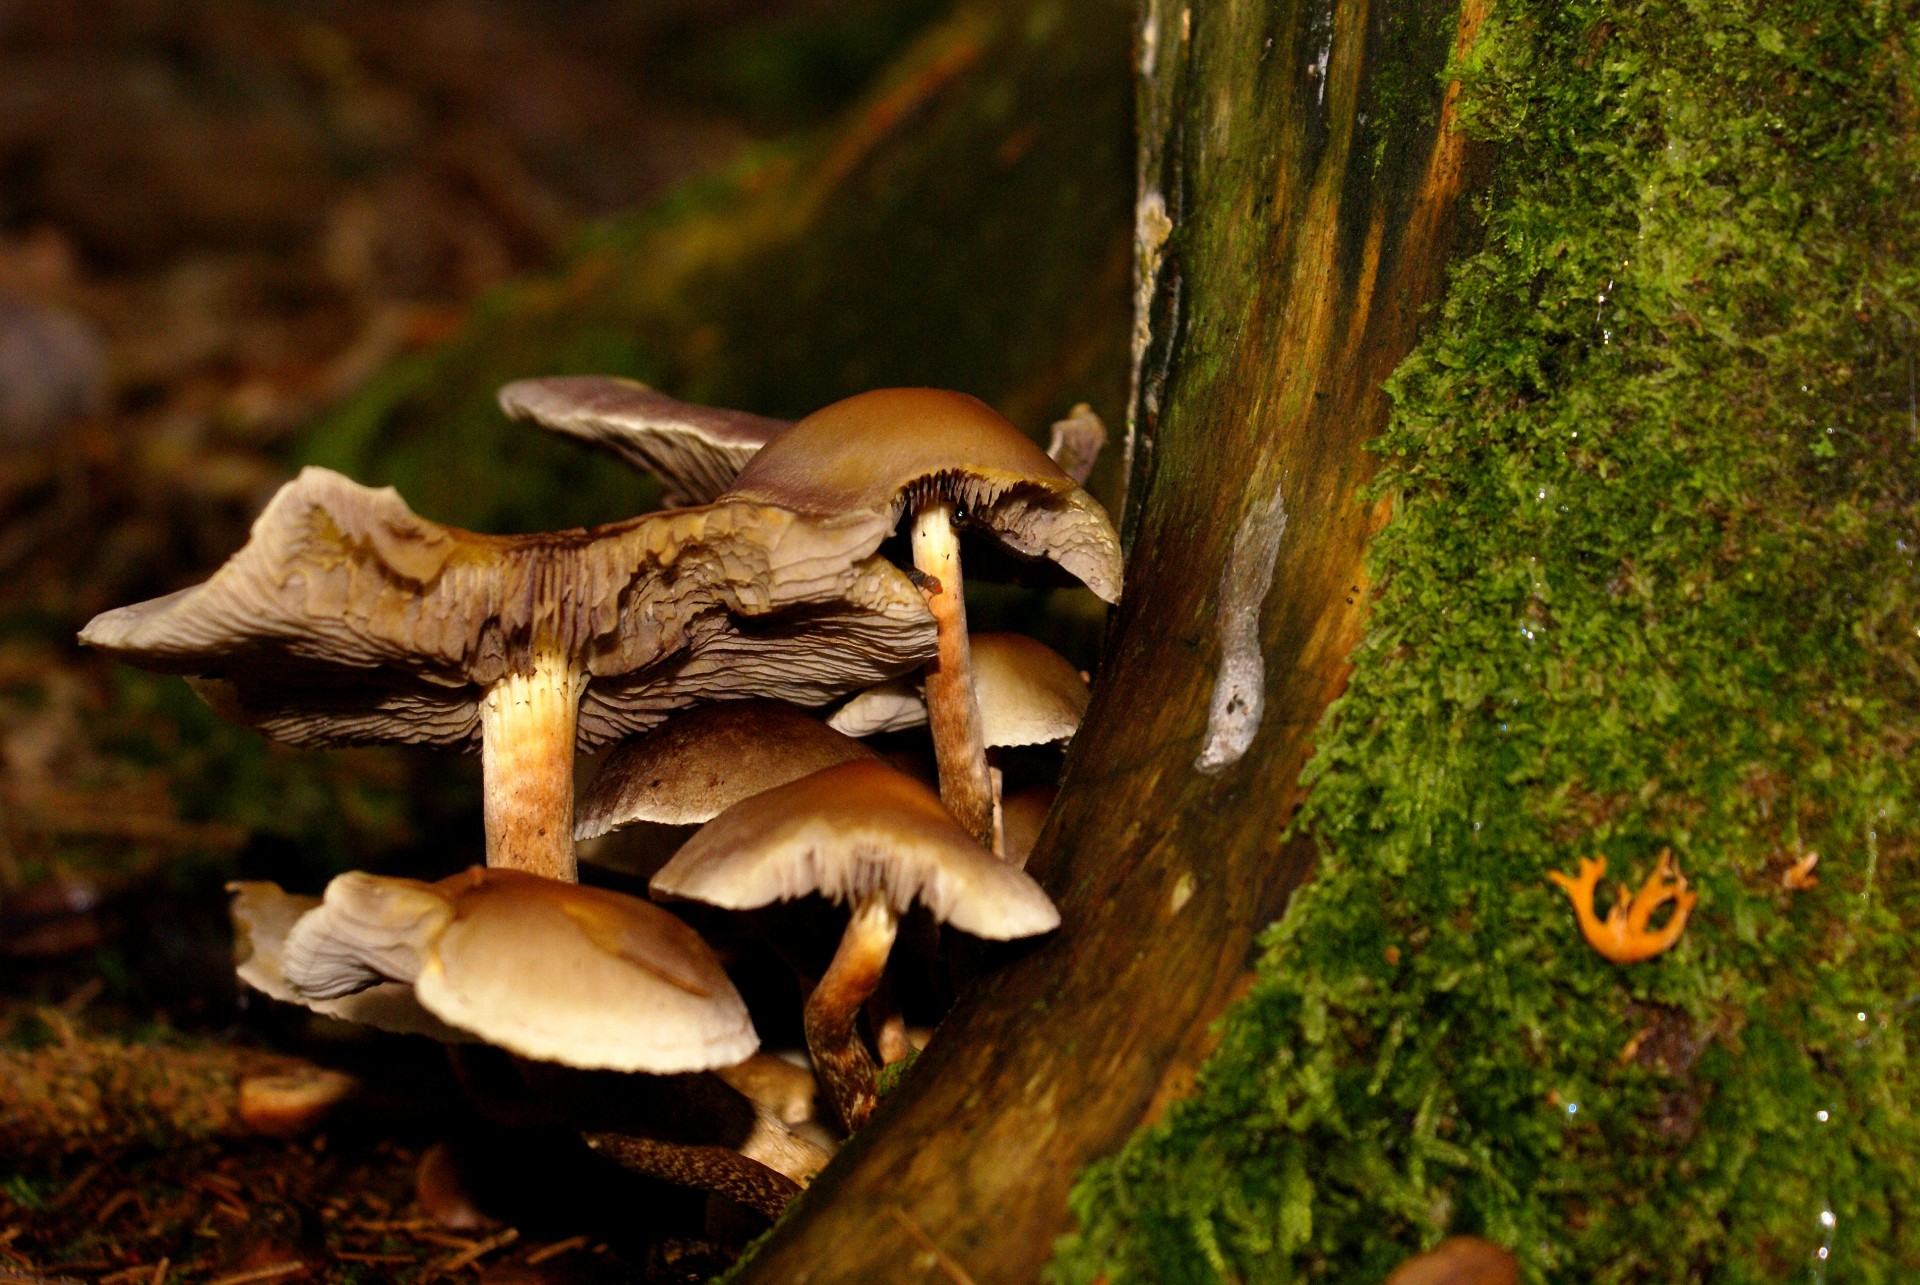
[[848, 831], [699, 763], [347, 619], [878, 451], [694, 450], [1029, 695]]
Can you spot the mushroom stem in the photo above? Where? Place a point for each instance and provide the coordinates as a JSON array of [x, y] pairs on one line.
[[527, 724], [888, 1026], [705, 1168], [953, 710], [840, 1057]]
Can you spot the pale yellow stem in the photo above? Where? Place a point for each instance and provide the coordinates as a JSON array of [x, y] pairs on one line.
[[840, 1057], [527, 725], [953, 710]]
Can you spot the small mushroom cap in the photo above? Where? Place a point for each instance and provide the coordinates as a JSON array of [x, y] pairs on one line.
[[366, 930], [877, 451], [1029, 695], [1077, 441], [897, 705], [263, 915], [695, 451], [847, 831], [1022, 815], [583, 976], [347, 619], [1459, 1260], [697, 764]]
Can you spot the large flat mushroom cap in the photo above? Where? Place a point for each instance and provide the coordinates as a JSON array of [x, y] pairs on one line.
[[876, 451], [699, 763], [847, 831], [263, 916], [1029, 695], [694, 450], [348, 619], [583, 976]]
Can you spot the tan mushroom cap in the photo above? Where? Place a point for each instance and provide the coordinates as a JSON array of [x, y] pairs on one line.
[[263, 915], [1029, 695], [1023, 814], [347, 619], [847, 831], [367, 929], [583, 976], [699, 763], [877, 451], [543, 968], [694, 450], [1077, 441]]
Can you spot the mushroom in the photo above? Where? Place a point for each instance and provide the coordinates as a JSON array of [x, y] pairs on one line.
[[694, 450], [1459, 1260], [263, 915], [540, 967], [1076, 442], [1029, 694], [1022, 814], [346, 619], [699, 763], [864, 833], [557, 972], [945, 460]]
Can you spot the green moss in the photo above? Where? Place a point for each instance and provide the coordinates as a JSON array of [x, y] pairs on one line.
[[1649, 583]]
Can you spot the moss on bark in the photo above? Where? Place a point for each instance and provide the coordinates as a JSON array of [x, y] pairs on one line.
[[1649, 582]]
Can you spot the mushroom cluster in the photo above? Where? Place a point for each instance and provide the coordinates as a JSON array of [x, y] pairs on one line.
[[707, 643]]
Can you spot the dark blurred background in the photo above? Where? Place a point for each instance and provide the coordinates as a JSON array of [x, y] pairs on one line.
[[218, 223], [237, 236]]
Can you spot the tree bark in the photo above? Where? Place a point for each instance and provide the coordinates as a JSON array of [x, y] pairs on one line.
[[1299, 187]]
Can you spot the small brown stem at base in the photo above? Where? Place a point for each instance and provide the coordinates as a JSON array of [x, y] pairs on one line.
[[527, 726], [889, 1028], [953, 709], [840, 1057], [704, 1168]]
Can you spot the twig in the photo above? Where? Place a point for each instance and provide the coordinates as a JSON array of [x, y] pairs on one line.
[[274, 1272], [115, 1203], [74, 1188], [556, 1249], [376, 1224], [471, 1255], [138, 1272]]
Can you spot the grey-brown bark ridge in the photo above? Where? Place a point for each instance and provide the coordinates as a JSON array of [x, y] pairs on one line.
[[1299, 185]]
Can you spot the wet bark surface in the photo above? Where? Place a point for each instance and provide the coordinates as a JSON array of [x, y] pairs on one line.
[[1299, 187]]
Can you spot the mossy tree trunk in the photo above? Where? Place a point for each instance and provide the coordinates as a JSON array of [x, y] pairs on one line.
[[1299, 183]]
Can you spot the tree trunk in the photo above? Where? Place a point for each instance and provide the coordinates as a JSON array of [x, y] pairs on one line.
[[1299, 184]]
